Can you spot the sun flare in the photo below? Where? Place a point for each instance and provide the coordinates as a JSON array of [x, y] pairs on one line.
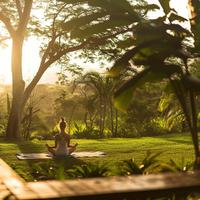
[[31, 47], [31, 60]]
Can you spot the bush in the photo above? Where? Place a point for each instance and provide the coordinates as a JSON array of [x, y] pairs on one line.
[[88, 171], [148, 164], [86, 134], [155, 127], [43, 135], [82, 132]]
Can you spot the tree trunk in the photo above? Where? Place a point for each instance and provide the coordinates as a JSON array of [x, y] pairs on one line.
[[14, 120], [116, 122], [112, 120]]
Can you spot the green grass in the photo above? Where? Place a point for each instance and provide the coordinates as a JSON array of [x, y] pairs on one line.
[[172, 146]]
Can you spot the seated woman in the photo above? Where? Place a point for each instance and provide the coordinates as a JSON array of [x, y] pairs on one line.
[[62, 145]]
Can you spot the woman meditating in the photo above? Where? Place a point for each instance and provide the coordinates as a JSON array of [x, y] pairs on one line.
[[62, 145]]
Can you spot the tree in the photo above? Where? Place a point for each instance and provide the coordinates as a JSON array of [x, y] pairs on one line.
[[65, 106], [17, 20], [89, 102], [110, 24], [102, 88], [157, 42], [30, 113]]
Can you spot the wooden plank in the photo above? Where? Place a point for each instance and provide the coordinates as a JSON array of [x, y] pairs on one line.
[[8, 172], [118, 187], [99, 188], [14, 183], [20, 189], [43, 190], [4, 194], [60, 187], [79, 187], [2, 186]]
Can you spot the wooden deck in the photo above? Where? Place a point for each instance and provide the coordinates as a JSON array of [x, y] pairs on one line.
[[131, 187]]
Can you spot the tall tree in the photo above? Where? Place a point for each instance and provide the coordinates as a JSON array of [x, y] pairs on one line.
[[103, 88], [18, 22], [17, 33]]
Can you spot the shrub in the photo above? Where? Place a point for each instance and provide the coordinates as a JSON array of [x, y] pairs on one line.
[[148, 164], [155, 127], [88, 170], [173, 166], [82, 132], [86, 134], [43, 135]]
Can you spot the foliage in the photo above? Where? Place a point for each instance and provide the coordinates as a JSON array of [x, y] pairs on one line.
[[151, 164], [173, 166], [156, 126], [157, 43], [173, 146], [88, 170], [82, 132], [97, 91], [171, 114], [44, 171], [148, 164]]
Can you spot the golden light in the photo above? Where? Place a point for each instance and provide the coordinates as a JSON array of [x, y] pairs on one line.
[[31, 57], [31, 62]]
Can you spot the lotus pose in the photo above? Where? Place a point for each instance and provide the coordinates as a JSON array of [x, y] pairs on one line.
[[62, 145]]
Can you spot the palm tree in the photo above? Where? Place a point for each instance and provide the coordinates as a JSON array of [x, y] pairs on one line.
[[103, 87]]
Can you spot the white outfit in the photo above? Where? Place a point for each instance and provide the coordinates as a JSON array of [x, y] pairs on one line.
[[61, 149]]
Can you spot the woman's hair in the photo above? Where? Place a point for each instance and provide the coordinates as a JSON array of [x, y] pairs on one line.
[[62, 123]]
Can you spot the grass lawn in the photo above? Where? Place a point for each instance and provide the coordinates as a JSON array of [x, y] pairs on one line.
[[172, 146]]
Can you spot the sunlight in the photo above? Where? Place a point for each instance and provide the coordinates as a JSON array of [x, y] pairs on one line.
[[31, 62], [182, 8], [5, 71], [31, 57], [99, 100]]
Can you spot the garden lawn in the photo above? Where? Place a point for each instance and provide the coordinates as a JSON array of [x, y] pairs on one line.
[[174, 147]]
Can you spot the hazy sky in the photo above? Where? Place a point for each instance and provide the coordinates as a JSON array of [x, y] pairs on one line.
[[31, 52]]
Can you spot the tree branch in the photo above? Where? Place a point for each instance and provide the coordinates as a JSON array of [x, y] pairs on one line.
[[19, 8], [2, 39], [7, 23], [44, 65], [25, 16]]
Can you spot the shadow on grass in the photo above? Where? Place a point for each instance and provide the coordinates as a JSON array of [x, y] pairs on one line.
[[180, 141]]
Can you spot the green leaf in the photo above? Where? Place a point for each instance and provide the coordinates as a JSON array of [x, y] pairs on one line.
[[123, 95], [168, 69], [165, 6], [82, 21], [126, 43], [99, 28], [173, 16], [147, 7], [122, 63], [165, 102], [123, 5]]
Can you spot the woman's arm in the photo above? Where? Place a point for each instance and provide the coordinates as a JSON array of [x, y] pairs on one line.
[[68, 141]]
